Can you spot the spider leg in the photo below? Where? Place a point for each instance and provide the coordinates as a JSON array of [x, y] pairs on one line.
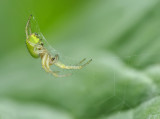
[[57, 75], [44, 59], [81, 61], [39, 48], [63, 66], [54, 73], [28, 26], [47, 63], [40, 51]]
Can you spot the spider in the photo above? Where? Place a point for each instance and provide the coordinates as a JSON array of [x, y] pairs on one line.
[[36, 49]]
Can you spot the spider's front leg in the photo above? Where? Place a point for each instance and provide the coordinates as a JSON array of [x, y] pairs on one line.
[[28, 27]]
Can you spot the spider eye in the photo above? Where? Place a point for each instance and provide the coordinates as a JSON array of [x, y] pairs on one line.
[[36, 34], [53, 59]]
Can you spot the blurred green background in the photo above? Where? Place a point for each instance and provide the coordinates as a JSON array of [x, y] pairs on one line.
[[121, 36]]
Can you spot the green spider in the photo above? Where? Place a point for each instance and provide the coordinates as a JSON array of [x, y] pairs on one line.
[[36, 48]]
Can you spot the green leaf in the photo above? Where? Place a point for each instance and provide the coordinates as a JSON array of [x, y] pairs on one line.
[[16, 110], [148, 110]]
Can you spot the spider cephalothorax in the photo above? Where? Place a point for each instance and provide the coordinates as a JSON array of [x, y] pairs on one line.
[[36, 48]]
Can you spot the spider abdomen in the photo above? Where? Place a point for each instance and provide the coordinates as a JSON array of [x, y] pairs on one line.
[[31, 43]]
